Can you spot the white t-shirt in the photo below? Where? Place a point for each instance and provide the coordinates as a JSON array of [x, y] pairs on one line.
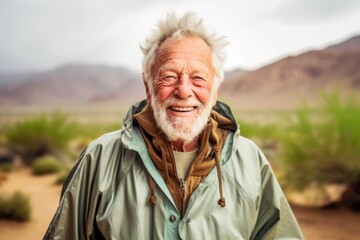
[[183, 161]]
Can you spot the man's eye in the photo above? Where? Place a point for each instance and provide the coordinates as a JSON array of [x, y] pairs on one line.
[[198, 78], [169, 78]]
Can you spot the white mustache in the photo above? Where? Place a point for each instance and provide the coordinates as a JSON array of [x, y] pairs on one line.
[[184, 103]]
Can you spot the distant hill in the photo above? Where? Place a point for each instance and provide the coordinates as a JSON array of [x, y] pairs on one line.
[[234, 74], [283, 84], [69, 84], [352, 44]]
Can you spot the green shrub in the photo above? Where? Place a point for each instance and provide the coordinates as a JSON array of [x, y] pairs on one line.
[[323, 146], [94, 130], [21, 209], [261, 133], [4, 207], [45, 165], [265, 135], [40, 135], [6, 167], [16, 207]]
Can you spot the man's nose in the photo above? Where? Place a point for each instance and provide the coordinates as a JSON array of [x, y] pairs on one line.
[[184, 88]]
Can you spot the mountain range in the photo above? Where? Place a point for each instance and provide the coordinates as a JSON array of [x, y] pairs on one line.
[[287, 82], [279, 85], [69, 84]]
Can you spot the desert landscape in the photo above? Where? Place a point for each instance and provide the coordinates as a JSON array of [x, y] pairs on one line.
[[94, 99]]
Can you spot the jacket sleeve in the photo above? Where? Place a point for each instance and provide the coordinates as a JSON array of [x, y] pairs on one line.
[[275, 218], [74, 217]]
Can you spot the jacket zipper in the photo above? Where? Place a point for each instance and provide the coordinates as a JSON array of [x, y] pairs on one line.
[[182, 185], [182, 182]]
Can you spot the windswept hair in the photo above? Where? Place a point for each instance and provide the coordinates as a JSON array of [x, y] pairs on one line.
[[188, 25]]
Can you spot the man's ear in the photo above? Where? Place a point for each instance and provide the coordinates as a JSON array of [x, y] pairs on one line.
[[148, 96]]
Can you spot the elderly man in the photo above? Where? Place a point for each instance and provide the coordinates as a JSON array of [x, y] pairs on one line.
[[179, 168]]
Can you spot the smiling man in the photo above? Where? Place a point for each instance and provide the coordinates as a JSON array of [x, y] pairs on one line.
[[183, 92], [178, 169]]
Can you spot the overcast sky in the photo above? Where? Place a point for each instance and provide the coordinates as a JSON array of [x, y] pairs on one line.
[[43, 34]]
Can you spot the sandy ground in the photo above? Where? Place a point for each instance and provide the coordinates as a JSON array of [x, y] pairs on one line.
[[316, 224], [44, 200]]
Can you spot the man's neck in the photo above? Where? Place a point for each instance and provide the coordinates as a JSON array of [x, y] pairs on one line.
[[182, 146]]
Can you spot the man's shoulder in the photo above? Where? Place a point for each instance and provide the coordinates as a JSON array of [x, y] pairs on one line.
[[105, 153], [107, 140], [100, 149], [248, 149]]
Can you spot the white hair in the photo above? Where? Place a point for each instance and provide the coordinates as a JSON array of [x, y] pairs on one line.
[[187, 25]]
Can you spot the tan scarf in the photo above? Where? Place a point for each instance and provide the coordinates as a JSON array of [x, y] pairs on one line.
[[211, 142]]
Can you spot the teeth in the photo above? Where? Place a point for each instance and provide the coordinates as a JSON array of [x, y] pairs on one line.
[[182, 109]]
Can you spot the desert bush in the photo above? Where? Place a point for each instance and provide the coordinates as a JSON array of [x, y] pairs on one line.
[[21, 209], [4, 206], [323, 146], [260, 133], [6, 167], [17, 207], [266, 135], [40, 135], [45, 165], [6, 160]]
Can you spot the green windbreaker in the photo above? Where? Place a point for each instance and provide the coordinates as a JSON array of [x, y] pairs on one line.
[[106, 195]]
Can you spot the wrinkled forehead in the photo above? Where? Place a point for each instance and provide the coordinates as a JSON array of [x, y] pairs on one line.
[[187, 48]]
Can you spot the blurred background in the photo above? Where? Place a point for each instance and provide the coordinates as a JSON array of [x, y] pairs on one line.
[[69, 70]]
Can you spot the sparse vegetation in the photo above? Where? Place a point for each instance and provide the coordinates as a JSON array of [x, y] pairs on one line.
[[17, 207], [316, 147], [93, 130], [254, 129], [51, 133], [40, 135], [263, 134], [6, 167], [324, 147], [45, 165]]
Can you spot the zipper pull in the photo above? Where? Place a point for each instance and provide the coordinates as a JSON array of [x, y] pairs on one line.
[[182, 187], [182, 183]]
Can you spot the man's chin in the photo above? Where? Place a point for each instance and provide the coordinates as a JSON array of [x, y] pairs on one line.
[[182, 123], [183, 128]]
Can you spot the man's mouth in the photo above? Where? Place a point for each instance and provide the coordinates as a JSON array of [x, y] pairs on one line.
[[182, 109]]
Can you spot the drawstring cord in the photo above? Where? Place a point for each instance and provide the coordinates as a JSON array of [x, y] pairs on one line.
[[221, 201], [152, 198]]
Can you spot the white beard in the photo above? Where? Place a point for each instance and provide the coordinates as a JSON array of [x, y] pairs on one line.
[[181, 128]]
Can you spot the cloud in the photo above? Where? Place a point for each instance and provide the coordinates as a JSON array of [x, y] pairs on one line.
[[39, 34], [310, 11], [42, 33]]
